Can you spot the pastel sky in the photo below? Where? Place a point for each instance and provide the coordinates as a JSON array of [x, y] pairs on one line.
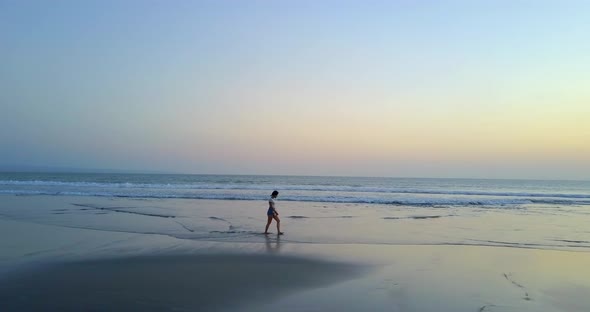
[[487, 89]]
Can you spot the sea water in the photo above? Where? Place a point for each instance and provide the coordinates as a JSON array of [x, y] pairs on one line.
[[344, 210]]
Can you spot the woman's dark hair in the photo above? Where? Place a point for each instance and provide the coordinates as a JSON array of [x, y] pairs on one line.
[[274, 193]]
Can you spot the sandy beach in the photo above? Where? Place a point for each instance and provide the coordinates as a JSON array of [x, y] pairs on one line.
[[60, 262]]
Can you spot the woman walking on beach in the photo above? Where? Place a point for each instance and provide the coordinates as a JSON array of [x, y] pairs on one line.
[[272, 213]]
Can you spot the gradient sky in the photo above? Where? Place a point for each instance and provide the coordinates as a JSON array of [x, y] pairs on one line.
[[488, 89]]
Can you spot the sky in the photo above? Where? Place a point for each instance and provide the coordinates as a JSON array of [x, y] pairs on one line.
[[475, 89]]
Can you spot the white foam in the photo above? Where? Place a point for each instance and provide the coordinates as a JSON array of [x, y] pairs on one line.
[[266, 187], [327, 199]]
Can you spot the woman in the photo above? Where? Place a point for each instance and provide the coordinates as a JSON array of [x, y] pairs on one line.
[[272, 213]]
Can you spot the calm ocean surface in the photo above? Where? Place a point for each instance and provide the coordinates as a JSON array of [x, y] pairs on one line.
[[384, 191]]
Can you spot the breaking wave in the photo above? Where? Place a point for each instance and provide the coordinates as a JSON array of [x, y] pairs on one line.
[[266, 187], [425, 202]]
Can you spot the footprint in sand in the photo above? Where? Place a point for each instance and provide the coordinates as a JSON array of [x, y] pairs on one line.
[[509, 278]]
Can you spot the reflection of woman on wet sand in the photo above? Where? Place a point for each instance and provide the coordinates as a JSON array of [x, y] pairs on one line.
[[273, 245], [272, 213]]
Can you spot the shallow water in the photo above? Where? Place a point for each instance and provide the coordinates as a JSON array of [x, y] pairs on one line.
[[526, 226]]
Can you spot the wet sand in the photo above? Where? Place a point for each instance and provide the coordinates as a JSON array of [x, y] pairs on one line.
[[60, 266], [157, 283]]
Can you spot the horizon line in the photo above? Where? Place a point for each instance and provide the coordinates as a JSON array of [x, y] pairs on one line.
[[67, 170]]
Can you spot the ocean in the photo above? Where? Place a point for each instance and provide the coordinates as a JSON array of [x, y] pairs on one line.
[[387, 191], [325, 210]]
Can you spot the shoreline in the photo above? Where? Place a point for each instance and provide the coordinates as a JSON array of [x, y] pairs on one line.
[[243, 221], [48, 259]]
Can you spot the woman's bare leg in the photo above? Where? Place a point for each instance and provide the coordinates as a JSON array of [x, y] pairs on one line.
[[278, 224], [268, 224]]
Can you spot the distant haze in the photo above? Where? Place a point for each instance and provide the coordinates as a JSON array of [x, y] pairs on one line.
[[486, 89]]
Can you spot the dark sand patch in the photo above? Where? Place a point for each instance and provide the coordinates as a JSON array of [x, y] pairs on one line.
[[123, 210], [413, 217], [155, 283], [298, 217]]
